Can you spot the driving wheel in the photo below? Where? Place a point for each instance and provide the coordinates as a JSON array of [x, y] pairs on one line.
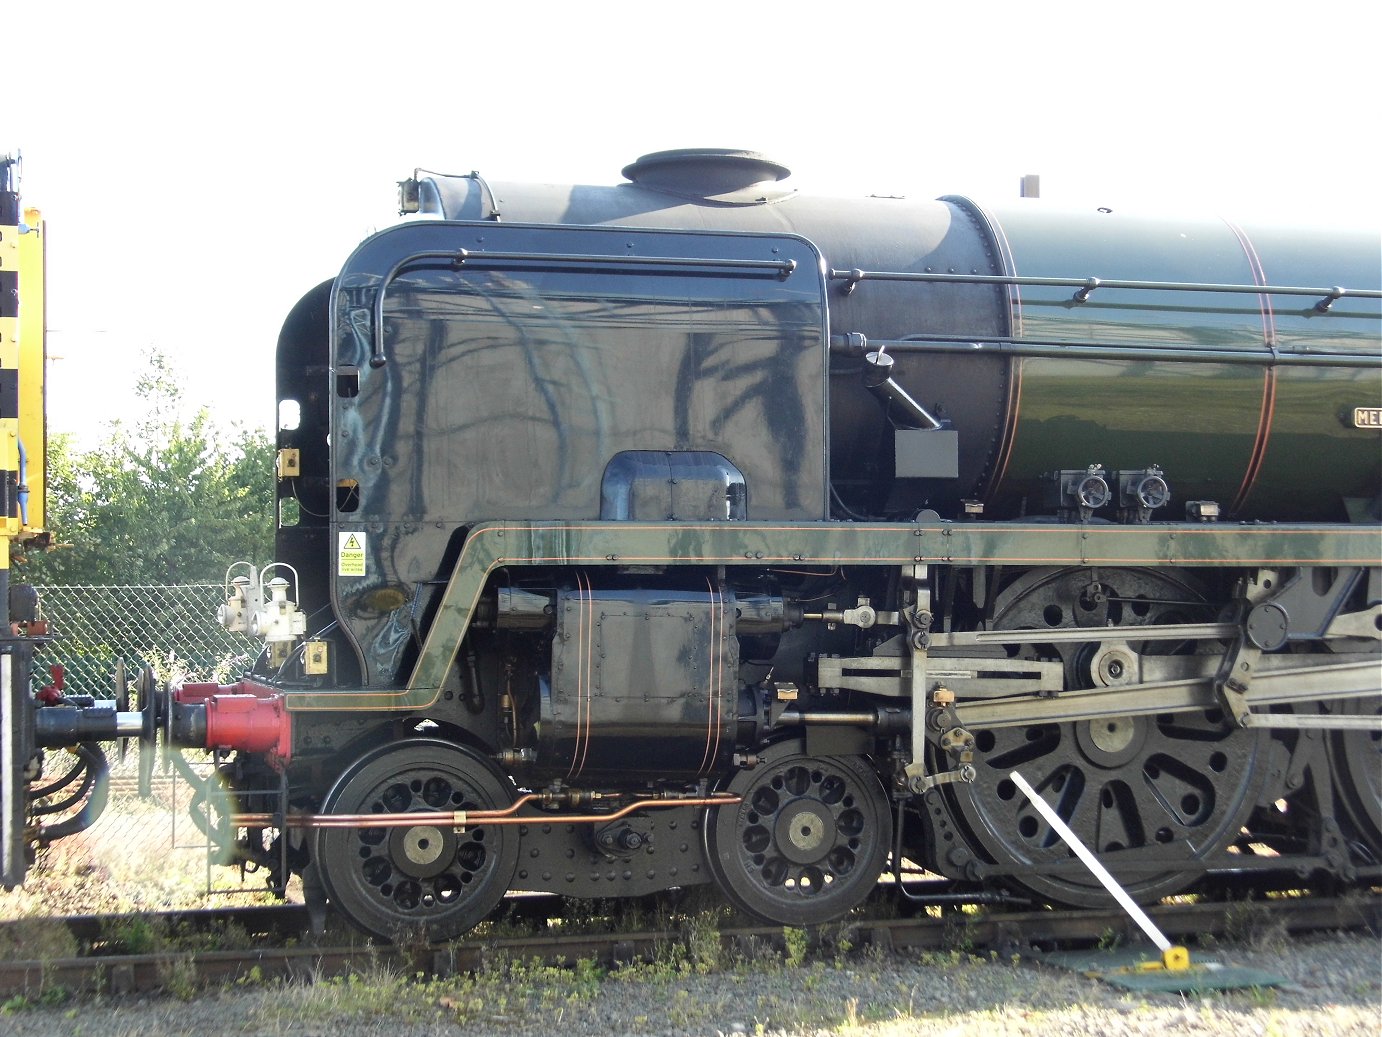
[[1155, 797]]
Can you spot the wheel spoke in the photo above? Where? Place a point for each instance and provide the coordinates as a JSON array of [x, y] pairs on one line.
[[1118, 821], [1019, 746]]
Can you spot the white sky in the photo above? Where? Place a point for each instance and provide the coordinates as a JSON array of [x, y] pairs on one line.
[[201, 166]]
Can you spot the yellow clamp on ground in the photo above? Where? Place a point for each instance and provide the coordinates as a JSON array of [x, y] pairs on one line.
[[1173, 959]]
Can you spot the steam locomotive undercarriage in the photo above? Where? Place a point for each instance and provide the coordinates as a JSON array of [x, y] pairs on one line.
[[815, 724], [1134, 698], [810, 736]]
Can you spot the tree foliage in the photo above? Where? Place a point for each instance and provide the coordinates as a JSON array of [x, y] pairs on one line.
[[161, 500]]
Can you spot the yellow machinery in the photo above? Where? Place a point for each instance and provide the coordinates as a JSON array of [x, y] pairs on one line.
[[22, 352], [22, 449]]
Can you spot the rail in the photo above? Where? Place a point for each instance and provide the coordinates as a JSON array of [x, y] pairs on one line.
[[131, 973]]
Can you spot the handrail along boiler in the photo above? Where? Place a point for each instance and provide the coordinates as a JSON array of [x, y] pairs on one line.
[[693, 530]]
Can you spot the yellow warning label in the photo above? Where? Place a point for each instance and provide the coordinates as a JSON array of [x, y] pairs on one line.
[[350, 554]]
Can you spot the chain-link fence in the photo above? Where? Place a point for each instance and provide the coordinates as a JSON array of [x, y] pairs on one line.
[[142, 854], [171, 629]]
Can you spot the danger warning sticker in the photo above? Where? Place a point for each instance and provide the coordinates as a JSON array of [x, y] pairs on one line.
[[350, 554]]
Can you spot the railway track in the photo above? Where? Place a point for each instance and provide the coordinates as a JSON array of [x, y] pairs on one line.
[[951, 919]]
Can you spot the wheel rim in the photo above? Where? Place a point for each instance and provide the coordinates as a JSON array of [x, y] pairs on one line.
[[1355, 762], [1152, 796], [807, 841], [426, 880]]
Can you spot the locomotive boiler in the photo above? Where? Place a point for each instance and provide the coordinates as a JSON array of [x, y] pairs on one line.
[[692, 530]]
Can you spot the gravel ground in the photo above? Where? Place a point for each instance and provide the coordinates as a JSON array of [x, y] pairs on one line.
[[1334, 986]]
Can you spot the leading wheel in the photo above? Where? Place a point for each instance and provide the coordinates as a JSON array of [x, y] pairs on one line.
[[1154, 797], [428, 880], [807, 842]]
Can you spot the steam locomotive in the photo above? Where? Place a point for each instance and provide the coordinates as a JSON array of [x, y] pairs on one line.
[[692, 530]]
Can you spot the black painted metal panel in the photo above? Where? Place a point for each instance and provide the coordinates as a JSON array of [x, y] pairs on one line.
[[501, 387]]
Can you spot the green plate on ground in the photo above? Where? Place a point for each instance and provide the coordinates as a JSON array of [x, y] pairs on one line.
[[1121, 968]]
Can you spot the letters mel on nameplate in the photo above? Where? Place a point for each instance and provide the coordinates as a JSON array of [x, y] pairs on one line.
[[350, 554]]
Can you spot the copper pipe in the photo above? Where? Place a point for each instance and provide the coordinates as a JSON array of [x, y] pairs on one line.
[[466, 818], [390, 820]]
